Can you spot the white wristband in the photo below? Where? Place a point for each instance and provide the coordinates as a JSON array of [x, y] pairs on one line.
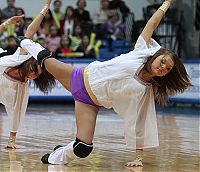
[[44, 10], [164, 7]]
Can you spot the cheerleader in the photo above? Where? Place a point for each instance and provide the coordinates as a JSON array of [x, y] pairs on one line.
[[129, 83], [15, 71]]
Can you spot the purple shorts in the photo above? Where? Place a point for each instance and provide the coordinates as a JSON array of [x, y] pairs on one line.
[[78, 89]]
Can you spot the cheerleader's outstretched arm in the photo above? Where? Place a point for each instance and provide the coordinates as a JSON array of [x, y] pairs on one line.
[[155, 20], [10, 21]]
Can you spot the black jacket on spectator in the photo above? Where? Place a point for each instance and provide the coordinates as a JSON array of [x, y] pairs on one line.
[[82, 17], [197, 17], [10, 51], [87, 54]]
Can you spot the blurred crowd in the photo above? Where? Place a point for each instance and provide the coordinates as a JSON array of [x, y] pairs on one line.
[[76, 33], [73, 33]]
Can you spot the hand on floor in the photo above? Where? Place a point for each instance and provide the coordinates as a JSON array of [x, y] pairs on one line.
[[134, 163]]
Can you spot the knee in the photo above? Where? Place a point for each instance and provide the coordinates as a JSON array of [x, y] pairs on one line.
[[82, 149], [42, 56]]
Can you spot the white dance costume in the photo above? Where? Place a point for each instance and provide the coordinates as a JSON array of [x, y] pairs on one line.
[[116, 85], [13, 93]]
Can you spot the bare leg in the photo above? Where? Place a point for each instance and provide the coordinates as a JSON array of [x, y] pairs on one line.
[[61, 71], [86, 121]]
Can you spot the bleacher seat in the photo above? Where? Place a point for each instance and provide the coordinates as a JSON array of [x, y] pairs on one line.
[[118, 43], [117, 47], [117, 51], [105, 54], [105, 43], [121, 44], [126, 50]]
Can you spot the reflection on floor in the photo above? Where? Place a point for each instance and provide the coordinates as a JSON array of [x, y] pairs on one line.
[[46, 126]]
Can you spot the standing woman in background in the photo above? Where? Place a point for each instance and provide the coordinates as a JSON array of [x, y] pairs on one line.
[[48, 20], [129, 83], [197, 20], [68, 22], [15, 71]]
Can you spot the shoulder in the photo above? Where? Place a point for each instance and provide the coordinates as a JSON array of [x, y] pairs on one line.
[[141, 44], [87, 12], [76, 11], [4, 11]]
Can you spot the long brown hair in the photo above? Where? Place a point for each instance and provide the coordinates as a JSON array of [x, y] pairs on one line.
[[176, 81], [44, 82]]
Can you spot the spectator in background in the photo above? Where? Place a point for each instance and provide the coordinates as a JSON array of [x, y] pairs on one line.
[[20, 11], [1, 16], [65, 43], [197, 15], [20, 27], [67, 24], [10, 10], [83, 16], [128, 19], [2, 34], [41, 40], [125, 15], [46, 23], [76, 37], [101, 15], [28, 21], [37, 36], [80, 13], [56, 13], [2, 38], [197, 20], [52, 42], [119, 5], [11, 46], [86, 48], [113, 29]]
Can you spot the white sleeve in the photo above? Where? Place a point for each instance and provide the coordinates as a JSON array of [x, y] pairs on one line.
[[139, 117], [150, 49], [31, 47], [16, 111], [12, 60]]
